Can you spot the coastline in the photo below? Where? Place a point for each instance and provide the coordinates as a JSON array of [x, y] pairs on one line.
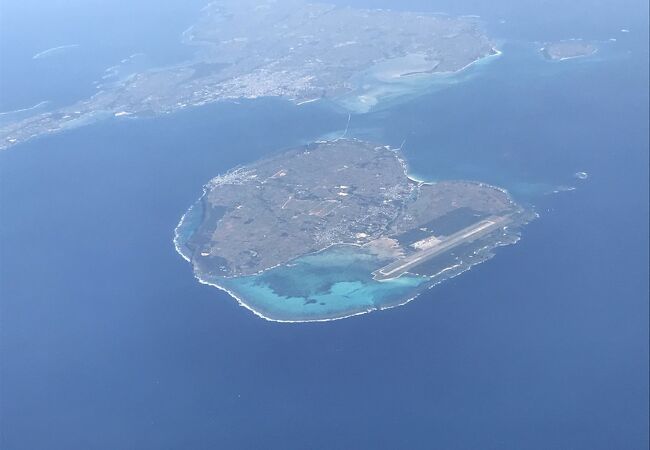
[[31, 108], [372, 93], [73, 116], [544, 50], [483, 254], [485, 58], [177, 245], [458, 267], [53, 50], [456, 270]]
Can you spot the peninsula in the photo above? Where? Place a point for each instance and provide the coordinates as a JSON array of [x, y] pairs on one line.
[[283, 48]]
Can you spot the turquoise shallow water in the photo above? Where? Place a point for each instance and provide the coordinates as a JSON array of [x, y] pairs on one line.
[[108, 342], [497, 121], [337, 282], [381, 86], [334, 283], [330, 284]]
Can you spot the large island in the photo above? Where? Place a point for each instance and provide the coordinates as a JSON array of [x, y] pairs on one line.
[[283, 48], [332, 205]]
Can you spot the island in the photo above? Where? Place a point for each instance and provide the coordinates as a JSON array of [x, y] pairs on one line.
[[304, 210], [290, 49], [563, 50]]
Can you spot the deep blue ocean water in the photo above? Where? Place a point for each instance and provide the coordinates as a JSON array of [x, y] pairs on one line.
[[107, 341], [104, 33]]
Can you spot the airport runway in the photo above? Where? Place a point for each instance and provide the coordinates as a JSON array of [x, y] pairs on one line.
[[469, 234]]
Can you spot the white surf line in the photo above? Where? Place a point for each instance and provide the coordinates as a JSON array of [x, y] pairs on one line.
[[478, 60], [36, 106], [242, 302], [176, 240], [52, 50]]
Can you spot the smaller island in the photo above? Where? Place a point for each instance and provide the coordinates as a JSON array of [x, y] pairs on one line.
[[570, 49], [338, 228]]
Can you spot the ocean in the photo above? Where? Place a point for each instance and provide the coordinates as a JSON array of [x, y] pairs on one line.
[[108, 342]]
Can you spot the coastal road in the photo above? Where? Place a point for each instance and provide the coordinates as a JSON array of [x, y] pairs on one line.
[[469, 234]]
